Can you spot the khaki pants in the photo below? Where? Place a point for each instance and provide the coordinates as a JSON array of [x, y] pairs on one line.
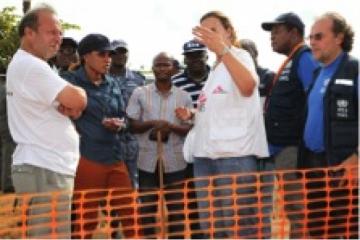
[[49, 208]]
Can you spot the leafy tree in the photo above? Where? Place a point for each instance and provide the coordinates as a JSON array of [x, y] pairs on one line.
[[9, 39]]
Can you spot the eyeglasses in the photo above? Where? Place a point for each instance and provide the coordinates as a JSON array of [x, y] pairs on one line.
[[316, 37]]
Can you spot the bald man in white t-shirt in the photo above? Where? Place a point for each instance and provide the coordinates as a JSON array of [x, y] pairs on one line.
[[39, 105]]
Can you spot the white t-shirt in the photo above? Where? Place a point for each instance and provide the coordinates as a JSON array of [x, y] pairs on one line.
[[228, 124], [45, 137]]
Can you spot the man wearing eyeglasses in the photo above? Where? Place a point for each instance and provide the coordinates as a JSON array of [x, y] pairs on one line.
[[331, 131], [285, 102]]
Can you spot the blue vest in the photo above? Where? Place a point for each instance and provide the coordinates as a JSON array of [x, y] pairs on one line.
[[341, 118], [284, 118]]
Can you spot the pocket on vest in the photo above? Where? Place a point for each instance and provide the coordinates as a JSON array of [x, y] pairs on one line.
[[342, 105]]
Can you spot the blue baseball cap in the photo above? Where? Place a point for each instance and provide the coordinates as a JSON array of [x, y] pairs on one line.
[[193, 46], [285, 18]]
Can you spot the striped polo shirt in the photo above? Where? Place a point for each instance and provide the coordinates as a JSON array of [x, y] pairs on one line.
[[187, 84]]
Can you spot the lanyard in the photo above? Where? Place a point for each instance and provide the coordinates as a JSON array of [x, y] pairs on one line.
[[277, 76]]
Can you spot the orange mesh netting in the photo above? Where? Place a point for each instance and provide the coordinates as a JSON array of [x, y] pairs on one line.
[[317, 203]]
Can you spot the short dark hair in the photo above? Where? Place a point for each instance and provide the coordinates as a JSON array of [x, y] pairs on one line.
[[31, 18], [339, 25]]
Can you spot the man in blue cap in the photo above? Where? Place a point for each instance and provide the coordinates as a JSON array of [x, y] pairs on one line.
[[128, 81], [285, 103], [118, 67], [196, 72]]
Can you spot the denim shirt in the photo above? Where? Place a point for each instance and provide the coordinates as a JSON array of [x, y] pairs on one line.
[[96, 142]]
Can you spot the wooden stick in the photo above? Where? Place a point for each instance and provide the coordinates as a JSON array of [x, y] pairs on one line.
[[160, 154]]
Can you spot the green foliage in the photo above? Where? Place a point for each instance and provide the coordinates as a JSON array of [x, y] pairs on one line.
[[9, 39], [67, 26]]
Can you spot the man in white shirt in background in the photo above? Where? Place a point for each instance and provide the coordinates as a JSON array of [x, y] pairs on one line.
[[39, 105]]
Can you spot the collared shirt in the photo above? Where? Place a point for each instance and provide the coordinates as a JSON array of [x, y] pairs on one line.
[[105, 100], [128, 83], [147, 103], [189, 85]]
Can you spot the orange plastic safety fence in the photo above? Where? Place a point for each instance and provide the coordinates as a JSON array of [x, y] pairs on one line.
[[316, 203]]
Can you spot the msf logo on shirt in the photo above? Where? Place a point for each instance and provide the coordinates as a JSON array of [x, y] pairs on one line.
[[219, 90]]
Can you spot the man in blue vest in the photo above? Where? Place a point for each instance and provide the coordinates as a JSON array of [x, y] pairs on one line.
[[331, 130], [285, 103]]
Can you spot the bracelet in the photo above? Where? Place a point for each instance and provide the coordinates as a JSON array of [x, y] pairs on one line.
[[225, 50]]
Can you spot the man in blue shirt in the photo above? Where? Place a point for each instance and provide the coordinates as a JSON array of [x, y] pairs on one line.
[[331, 131], [128, 81], [285, 103]]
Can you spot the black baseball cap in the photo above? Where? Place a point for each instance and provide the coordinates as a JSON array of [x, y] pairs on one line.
[[94, 42], [285, 18], [193, 46], [68, 41]]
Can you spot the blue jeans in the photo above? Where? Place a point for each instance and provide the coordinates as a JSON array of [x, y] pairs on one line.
[[234, 209]]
